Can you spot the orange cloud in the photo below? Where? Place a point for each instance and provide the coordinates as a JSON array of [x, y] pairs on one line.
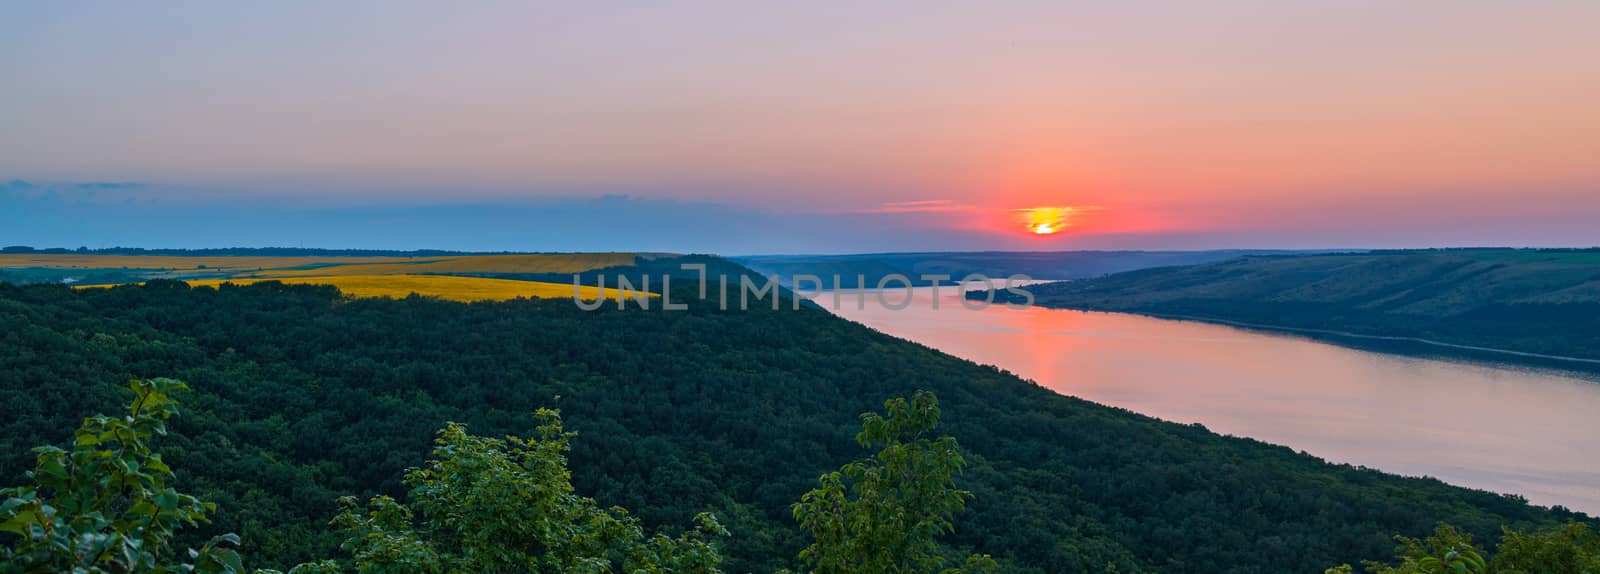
[[1043, 220]]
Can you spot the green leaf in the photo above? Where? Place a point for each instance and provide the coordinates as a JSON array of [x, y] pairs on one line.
[[18, 524]]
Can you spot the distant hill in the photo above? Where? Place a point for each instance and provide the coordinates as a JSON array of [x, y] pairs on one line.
[[1035, 264], [1530, 301]]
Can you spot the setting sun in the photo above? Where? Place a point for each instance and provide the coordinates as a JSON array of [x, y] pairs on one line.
[[1046, 220]]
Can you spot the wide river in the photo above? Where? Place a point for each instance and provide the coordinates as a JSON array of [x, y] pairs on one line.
[[1494, 427]]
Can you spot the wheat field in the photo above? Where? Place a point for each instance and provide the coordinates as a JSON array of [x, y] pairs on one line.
[[442, 286], [358, 276], [539, 263]]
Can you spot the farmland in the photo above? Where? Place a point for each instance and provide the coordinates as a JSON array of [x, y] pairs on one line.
[[448, 287], [452, 277], [539, 263]]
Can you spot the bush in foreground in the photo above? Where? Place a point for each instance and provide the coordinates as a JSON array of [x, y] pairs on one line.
[[480, 504], [1572, 548]]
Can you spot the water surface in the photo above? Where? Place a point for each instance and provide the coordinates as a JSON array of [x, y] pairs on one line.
[[1495, 427]]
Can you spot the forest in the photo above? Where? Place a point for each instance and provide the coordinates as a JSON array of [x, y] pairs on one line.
[[299, 396]]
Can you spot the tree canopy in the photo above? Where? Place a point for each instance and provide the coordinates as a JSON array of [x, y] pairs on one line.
[[302, 397], [104, 506], [1571, 548], [881, 515]]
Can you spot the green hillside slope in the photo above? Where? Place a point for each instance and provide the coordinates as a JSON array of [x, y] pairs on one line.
[[1529, 301], [301, 396], [1036, 264]]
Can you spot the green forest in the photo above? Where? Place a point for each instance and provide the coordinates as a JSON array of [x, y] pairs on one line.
[[298, 398], [481, 504]]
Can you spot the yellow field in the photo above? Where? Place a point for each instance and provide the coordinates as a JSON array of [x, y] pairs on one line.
[[213, 266], [441, 286], [359, 276], [172, 262], [542, 263]]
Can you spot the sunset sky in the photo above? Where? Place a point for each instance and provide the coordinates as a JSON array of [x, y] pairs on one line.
[[764, 127]]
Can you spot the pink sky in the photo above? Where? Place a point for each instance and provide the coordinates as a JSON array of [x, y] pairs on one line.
[[1279, 121]]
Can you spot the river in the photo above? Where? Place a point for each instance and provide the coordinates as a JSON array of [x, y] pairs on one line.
[[1495, 427]]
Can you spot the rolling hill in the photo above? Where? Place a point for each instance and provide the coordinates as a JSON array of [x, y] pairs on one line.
[[1542, 302], [1036, 264]]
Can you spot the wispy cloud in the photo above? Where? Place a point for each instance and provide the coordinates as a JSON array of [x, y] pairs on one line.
[[110, 185], [71, 188], [922, 206]]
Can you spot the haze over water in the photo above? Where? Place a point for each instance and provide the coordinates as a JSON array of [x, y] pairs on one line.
[[1498, 428]]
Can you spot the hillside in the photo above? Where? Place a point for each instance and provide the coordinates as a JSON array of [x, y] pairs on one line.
[[302, 395], [1528, 301], [1035, 264]]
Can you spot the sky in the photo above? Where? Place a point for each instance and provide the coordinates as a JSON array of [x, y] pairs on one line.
[[764, 127]]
